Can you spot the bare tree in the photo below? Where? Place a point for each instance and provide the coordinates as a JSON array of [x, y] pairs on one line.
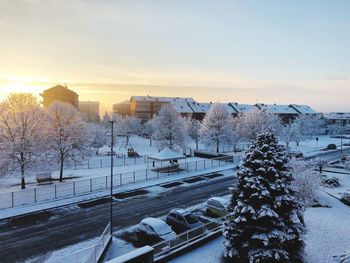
[[290, 132], [21, 121], [169, 128], [66, 133], [217, 126]]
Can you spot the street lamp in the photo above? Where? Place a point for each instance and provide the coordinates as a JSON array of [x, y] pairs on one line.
[[112, 153]]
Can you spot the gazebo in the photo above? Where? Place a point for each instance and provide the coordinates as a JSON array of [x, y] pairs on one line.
[[165, 155]]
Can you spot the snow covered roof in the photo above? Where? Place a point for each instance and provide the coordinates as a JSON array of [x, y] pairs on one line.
[[277, 109], [206, 106], [182, 105], [303, 109], [241, 108], [338, 115], [166, 155]]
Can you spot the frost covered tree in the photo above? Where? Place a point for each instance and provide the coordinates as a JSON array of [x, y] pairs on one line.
[[147, 130], [97, 136], [169, 128], [127, 126], [66, 134], [105, 121], [306, 180], [290, 132], [193, 130], [251, 123], [21, 122], [311, 125], [217, 126], [263, 225]]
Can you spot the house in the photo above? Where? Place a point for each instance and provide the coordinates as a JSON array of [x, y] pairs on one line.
[[60, 93], [122, 108], [303, 109], [90, 109], [145, 107], [338, 122], [285, 112]]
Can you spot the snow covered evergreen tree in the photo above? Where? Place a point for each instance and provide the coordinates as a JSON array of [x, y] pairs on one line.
[[264, 224]]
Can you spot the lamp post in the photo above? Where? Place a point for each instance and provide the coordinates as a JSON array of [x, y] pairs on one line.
[[112, 154]]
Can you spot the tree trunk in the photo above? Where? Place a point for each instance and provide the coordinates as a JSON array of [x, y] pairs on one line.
[[61, 168], [217, 147], [197, 144], [23, 182], [97, 150]]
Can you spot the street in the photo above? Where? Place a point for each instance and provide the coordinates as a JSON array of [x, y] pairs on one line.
[[66, 226]]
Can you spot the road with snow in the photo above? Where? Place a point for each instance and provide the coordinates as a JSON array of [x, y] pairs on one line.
[[22, 239]]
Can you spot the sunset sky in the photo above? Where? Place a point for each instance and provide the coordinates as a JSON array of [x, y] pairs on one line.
[[246, 51]]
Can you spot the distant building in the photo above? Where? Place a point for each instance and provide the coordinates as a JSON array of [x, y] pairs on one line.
[[91, 110], [145, 107], [338, 122], [122, 108], [285, 112], [60, 93]]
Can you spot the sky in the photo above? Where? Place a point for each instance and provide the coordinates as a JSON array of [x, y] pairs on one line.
[[248, 51]]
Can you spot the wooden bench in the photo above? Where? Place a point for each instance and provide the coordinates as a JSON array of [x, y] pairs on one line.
[[44, 177]]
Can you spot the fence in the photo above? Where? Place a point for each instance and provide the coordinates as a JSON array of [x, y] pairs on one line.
[[105, 162], [167, 248], [91, 254], [59, 191], [227, 148]]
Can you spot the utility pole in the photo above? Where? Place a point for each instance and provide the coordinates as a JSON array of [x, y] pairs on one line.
[[112, 154]]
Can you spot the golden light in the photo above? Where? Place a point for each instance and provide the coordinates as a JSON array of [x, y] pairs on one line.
[[19, 87]]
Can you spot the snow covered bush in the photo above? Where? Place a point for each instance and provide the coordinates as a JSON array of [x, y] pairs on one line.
[[217, 126], [264, 225], [345, 198], [169, 128], [330, 182], [306, 181], [21, 130]]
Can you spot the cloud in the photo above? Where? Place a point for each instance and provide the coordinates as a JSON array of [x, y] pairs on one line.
[[337, 76]]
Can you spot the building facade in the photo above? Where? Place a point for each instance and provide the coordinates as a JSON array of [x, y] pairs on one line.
[[60, 93], [90, 110]]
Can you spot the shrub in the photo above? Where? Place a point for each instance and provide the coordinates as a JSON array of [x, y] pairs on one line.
[[345, 198], [330, 182], [331, 146]]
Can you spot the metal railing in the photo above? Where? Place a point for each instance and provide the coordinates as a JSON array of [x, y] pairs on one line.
[[91, 254], [64, 190], [166, 248]]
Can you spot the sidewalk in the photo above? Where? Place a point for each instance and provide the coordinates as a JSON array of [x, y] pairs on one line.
[[27, 209]]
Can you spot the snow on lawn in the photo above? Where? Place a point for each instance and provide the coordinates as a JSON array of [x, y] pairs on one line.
[[328, 230], [211, 252], [344, 180]]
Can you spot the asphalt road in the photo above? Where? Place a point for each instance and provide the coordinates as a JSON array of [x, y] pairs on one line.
[[20, 240]]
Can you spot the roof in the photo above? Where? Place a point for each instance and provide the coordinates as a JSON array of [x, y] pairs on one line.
[[338, 115], [206, 106], [59, 87], [166, 155], [277, 109], [242, 108], [303, 109]]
